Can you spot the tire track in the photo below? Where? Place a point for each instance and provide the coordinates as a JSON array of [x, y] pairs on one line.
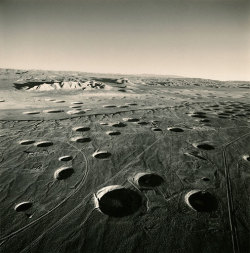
[[3, 239], [230, 202], [28, 248]]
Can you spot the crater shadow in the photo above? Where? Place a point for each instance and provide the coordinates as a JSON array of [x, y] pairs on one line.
[[111, 133], [118, 124], [63, 173], [31, 113], [44, 144], [120, 202], [148, 180], [65, 158], [26, 142], [204, 146], [81, 139], [81, 129], [23, 206], [201, 201], [102, 154], [156, 129], [175, 129]]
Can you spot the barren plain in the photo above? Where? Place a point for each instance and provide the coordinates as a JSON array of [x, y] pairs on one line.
[[123, 164]]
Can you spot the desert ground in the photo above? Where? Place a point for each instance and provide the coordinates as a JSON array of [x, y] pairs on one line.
[[108, 163]]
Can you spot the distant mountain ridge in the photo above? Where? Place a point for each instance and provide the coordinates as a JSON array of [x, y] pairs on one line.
[[66, 80]]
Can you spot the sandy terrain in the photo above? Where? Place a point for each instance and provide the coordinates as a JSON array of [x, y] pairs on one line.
[[143, 164]]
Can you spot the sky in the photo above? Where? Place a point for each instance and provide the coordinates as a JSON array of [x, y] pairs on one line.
[[192, 38]]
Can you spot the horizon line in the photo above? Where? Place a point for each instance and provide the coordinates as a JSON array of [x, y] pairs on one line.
[[128, 74]]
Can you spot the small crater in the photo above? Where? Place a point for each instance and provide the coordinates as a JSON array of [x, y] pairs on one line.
[[2, 100], [201, 201], [148, 180], [175, 129], [155, 121], [117, 201], [63, 173], [81, 129], [132, 104], [81, 139], [101, 154], [205, 179], [204, 146], [113, 133], [23, 206], [43, 144], [53, 111], [118, 124], [26, 142], [76, 103], [246, 157], [123, 106], [31, 112], [156, 129], [59, 101], [76, 106], [75, 112], [131, 119], [109, 106], [65, 158], [103, 123]]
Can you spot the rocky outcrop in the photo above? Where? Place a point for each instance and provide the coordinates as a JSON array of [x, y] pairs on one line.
[[58, 85]]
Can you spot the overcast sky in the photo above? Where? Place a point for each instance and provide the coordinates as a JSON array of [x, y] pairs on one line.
[[194, 38]]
